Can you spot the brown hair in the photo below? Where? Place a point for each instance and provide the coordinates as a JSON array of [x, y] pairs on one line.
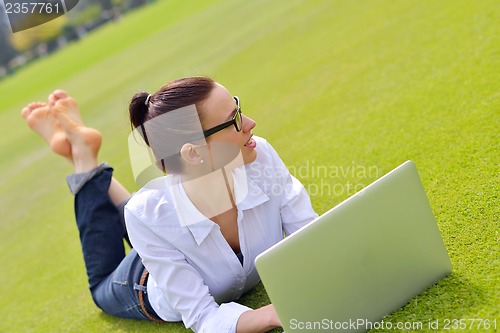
[[172, 96]]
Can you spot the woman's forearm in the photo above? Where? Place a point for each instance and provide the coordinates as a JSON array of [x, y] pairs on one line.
[[259, 320]]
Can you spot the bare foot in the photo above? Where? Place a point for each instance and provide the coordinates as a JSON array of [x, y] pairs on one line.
[[41, 121], [85, 141], [70, 106]]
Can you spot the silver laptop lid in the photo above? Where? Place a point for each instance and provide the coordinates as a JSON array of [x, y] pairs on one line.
[[358, 262]]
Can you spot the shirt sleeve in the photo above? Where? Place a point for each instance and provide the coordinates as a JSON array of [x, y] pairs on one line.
[[180, 283], [295, 205]]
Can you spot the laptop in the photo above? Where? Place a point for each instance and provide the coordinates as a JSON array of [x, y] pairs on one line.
[[360, 261]]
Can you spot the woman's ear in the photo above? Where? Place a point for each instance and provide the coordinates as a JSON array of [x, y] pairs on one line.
[[190, 154]]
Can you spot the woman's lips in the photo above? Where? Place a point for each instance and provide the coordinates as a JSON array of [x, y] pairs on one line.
[[251, 143]]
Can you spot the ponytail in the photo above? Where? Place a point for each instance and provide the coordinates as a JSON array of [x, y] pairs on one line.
[[138, 109], [174, 95]]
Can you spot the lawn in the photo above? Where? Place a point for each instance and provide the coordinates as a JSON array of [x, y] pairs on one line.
[[352, 86]]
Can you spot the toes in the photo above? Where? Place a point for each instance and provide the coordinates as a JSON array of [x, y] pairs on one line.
[[26, 111], [65, 106], [36, 105], [57, 95]]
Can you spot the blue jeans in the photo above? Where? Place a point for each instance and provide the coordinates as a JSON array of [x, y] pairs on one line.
[[113, 275]]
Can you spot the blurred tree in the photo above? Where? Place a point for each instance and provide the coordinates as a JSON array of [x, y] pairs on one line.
[[26, 39], [84, 17], [106, 4], [87, 15], [7, 52]]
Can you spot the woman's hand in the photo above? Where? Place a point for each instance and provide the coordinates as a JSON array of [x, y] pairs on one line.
[[260, 320]]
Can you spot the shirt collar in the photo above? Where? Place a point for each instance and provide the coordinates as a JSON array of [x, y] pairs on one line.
[[189, 216], [248, 194]]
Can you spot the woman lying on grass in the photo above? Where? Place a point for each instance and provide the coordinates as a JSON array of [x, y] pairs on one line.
[[196, 232]]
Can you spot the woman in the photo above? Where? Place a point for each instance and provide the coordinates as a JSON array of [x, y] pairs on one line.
[[199, 249]]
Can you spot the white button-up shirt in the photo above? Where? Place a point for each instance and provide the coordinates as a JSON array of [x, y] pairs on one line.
[[194, 274]]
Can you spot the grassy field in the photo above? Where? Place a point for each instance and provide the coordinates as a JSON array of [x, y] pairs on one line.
[[352, 86]]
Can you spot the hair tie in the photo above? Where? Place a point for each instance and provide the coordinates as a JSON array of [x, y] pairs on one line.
[[147, 100]]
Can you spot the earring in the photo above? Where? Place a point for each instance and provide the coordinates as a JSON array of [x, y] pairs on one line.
[[202, 161]]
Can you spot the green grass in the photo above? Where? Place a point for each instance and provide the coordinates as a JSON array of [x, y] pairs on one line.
[[343, 85]]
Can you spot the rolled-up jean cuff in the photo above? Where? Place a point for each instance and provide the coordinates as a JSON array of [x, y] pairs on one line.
[[76, 181]]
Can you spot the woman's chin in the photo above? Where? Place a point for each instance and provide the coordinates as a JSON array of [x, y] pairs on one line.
[[249, 156]]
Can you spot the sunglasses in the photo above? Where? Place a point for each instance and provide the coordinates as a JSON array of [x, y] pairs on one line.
[[236, 121]]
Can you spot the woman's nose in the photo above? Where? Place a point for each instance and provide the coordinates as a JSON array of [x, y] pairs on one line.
[[248, 124]]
